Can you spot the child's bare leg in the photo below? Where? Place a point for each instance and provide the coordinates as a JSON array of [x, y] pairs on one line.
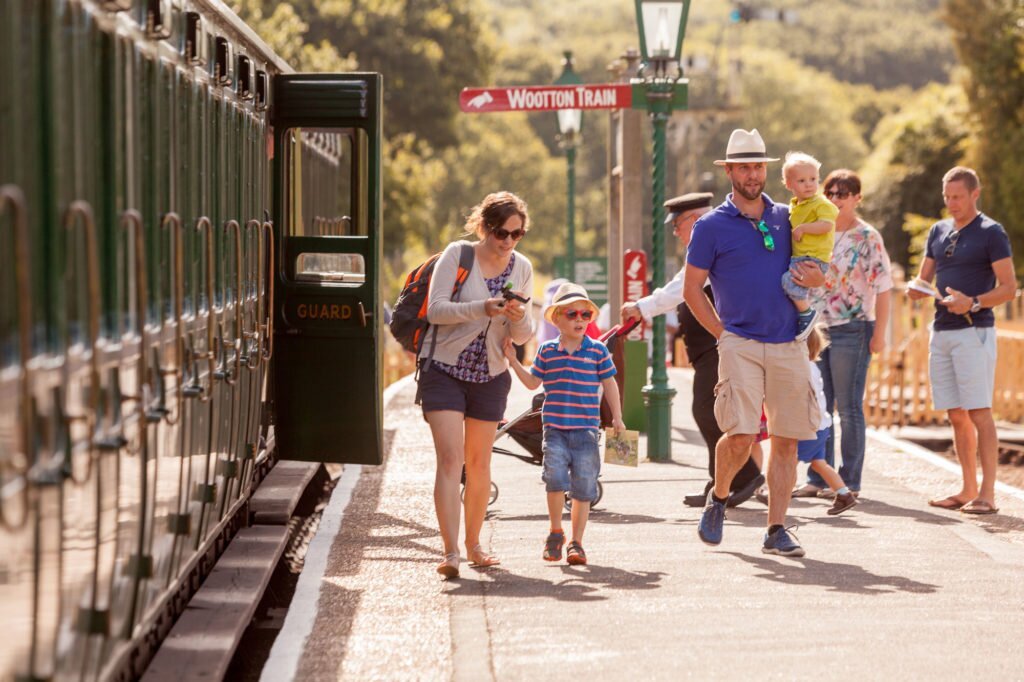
[[801, 304], [757, 454], [580, 514], [835, 482], [555, 502]]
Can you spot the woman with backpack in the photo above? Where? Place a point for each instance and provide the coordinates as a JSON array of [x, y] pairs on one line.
[[464, 378]]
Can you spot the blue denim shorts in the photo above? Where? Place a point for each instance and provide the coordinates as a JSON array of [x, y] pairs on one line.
[[810, 450], [794, 290], [572, 461]]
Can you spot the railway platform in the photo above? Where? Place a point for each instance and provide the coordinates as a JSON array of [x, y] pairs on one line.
[[892, 590]]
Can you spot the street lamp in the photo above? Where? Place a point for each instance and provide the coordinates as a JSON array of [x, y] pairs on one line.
[[662, 24], [570, 123]]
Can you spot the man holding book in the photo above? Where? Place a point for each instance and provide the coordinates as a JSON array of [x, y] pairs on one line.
[[969, 256]]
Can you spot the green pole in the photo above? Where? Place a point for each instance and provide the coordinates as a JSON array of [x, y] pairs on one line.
[[570, 251], [658, 394]]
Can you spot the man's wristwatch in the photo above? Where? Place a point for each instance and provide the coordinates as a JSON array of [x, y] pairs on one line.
[[976, 305]]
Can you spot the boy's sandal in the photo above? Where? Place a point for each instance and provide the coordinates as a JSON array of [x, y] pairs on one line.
[[575, 554], [478, 558], [553, 547], [449, 568]]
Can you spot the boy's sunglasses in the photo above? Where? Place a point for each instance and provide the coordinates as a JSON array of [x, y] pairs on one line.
[[766, 234], [501, 234], [952, 244], [584, 315]]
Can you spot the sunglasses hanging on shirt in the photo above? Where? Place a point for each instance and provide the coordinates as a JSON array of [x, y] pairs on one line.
[[766, 235]]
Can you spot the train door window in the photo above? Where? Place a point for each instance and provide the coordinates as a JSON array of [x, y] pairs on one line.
[[326, 194]]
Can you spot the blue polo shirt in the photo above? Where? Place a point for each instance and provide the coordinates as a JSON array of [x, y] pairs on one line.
[[571, 383], [745, 276], [968, 269]]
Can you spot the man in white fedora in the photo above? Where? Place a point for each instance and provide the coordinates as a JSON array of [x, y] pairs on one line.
[[743, 246]]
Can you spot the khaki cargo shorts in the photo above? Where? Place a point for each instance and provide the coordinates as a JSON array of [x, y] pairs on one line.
[[776, 374]]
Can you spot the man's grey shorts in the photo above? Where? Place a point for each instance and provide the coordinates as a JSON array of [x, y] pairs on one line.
[[962, 367]]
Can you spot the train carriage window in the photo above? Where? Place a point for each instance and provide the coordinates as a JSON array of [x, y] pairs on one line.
[[223, 63], [196, 41], [158, 19]]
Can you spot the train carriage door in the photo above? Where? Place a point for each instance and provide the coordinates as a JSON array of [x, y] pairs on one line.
[[327, 321]]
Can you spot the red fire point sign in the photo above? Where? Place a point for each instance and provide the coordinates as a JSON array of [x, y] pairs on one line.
[[546, 98], [634, 285]]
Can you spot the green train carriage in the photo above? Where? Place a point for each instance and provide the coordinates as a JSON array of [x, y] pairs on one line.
[[176, 209]]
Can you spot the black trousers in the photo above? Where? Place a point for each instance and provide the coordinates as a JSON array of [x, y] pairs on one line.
[[705, 378]]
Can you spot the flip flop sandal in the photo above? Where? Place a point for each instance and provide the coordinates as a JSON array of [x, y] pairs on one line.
[[449, 568], [553, 547], [575, 555], [478, 558], [978, 507], [950, 503]]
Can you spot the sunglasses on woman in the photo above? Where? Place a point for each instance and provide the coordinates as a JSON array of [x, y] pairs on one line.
[[837, 194], [584, 315], [501, 234]]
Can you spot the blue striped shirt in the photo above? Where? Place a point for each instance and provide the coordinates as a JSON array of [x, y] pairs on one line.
[[571, 383]]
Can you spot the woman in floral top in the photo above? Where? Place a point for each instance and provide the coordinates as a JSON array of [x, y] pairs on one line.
[[854, 304]]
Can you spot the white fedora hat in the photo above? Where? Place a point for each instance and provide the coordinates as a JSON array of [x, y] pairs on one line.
[[745, 147]]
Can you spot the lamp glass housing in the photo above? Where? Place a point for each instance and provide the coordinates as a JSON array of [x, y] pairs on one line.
[[570, 121], [660, 25]]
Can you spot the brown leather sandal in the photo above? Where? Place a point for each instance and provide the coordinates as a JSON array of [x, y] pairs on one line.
[[478, 558], [449, 568]]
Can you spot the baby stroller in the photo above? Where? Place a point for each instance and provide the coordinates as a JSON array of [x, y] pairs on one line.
[[527, 429]]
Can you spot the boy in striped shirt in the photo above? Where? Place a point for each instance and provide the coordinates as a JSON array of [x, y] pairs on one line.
[[573, 368]]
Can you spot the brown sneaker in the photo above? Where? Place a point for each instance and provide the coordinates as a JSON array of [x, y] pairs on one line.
[[842, 503], [575, 555]]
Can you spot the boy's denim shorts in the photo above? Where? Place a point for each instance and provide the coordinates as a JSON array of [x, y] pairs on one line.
[[572, 462], [794, 290]]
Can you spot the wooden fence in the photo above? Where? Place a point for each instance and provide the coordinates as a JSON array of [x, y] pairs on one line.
[[898, 389]]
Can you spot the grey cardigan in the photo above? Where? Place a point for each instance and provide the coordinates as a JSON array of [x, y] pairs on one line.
[[459, 322]]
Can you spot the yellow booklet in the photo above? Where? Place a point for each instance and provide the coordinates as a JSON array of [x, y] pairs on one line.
[[622, 449]]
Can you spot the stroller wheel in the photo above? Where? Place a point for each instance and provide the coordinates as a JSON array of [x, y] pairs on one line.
[[600, 494], [491, 500]]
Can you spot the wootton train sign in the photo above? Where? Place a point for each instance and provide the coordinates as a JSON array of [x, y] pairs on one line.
[[546, 98]]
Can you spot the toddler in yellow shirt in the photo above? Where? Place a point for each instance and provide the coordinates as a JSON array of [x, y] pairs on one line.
[[813, 220]]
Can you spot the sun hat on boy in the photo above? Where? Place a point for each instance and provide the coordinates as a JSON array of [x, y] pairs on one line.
[[745, 147], [567, 294]]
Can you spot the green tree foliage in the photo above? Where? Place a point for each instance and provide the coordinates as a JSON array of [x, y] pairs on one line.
[[989, 36], [878, 42], [287, 34], [427, 50], [795, 108], [903, 175]]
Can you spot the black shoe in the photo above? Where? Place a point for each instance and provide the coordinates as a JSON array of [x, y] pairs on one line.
[[700, 499], [743, 494]]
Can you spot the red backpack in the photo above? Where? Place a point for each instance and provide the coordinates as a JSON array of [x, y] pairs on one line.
[[409, 317]]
